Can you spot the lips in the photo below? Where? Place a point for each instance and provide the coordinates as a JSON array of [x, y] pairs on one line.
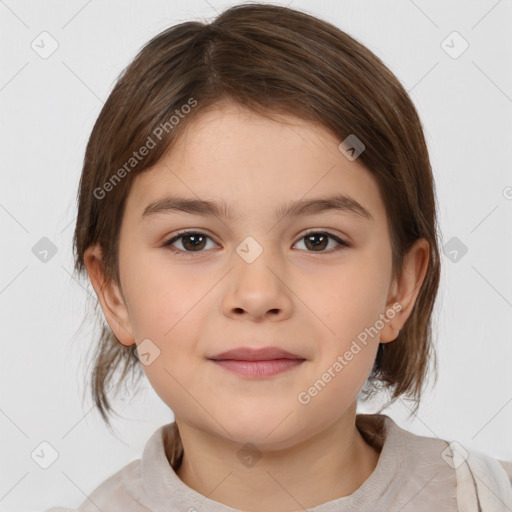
[[260, 363], [259, 354]]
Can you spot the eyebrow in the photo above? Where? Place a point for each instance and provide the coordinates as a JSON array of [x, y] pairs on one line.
[[303, 207]]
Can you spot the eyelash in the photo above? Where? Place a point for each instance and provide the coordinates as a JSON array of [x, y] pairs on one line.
[[342, 243]]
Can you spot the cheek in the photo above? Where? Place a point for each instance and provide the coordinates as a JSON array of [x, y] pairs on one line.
[[352, 299], [161, 296], [170, 312], [352, 312], [173, 326], [341, 380]]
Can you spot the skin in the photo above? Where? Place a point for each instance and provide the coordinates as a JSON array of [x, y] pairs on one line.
[[311, 302]]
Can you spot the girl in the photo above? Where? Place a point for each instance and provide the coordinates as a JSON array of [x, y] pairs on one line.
[[257, 217]]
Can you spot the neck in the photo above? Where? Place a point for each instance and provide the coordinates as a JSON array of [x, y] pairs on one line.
[[331, 464]]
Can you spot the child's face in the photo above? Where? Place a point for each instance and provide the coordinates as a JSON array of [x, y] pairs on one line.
[[302, 297]]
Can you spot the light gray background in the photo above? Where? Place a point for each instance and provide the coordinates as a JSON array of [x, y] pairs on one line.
[[48, 108]]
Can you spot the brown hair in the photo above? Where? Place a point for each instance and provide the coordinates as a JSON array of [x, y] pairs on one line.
[[270, 59]]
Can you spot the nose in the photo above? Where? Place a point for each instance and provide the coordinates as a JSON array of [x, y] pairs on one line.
[[258, 289]]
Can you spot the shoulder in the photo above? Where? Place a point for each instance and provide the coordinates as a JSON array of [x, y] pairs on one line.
[[507, 466], [117, 492], [126, 489], [480, 479]]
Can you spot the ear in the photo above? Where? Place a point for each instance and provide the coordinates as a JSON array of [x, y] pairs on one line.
[[109, 296], [406, 287]]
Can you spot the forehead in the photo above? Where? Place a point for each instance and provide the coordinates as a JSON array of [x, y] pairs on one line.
[[253, 163]]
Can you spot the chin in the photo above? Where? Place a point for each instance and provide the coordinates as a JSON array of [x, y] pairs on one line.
[[264, 430]]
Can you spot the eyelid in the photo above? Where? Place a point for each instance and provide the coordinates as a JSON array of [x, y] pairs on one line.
[[322, 230], [190, 231], [167, 243], [340, 239]]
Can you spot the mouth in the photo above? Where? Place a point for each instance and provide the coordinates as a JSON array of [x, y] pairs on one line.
[[259, 363]]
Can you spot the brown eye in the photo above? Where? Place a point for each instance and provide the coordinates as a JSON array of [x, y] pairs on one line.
[[194, 241], [191, 241], [318, 241]]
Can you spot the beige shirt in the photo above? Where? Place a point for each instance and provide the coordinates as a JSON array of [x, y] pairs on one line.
[[412, 475]]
